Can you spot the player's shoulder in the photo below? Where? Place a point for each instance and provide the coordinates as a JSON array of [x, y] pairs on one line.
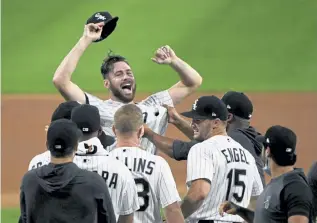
[[43, 158]]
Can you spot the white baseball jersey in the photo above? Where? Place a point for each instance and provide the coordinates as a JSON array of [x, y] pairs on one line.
[[154, 179], [93, 157], [155, 116], [231, 171]]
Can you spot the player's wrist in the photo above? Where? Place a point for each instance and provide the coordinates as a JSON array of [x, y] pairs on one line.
[[84, 42]]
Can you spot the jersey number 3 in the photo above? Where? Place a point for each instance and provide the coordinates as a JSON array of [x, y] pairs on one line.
[[144, 194], [234, 176]]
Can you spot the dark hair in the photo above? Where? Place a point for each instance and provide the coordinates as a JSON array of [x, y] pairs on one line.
[[289, 160], [63, 153], [109, 61]]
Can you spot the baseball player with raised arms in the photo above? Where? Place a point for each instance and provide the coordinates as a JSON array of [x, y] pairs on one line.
[[118, 78], [152, 174], [218, 168], [92, 156]]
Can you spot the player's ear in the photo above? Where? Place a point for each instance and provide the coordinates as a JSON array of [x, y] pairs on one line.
[[141, 132], [268, 152], [106, 83], [114, 130], [230, 117]]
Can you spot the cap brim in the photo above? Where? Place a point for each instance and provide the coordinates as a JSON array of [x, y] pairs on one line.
[[194, 115], [106, 140], [108, 28]]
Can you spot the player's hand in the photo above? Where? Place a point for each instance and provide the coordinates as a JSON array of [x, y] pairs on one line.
[[227, 207], [173, 115], [164, 55], [147, 130], [46, 128], [93, 31]]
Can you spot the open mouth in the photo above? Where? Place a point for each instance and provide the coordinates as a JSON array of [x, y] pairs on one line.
[[127, 88]]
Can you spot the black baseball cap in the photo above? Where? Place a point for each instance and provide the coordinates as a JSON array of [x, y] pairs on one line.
[[62, 136], [238, 104], [282, 142], [87, 118], [109, 21], [208, 107], [64, 110]]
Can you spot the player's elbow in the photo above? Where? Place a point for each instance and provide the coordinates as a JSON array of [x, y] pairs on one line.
[[201, 195], [126, 218]]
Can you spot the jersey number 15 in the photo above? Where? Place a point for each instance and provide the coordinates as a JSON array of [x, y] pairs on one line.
[[234, 177]]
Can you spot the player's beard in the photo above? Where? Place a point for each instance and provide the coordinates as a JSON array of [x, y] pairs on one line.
[[118, 93]]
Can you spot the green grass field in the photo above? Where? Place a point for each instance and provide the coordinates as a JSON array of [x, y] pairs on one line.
[[247, 45]]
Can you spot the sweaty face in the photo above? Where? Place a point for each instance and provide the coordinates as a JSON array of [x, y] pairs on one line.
[[201, 129], [121, 82]]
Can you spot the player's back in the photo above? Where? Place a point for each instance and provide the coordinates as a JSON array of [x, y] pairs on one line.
[[156, 185], [91, 156], [234, 176]]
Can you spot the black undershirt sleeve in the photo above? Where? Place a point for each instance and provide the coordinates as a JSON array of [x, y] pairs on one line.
[[297, 198], [181, 149]]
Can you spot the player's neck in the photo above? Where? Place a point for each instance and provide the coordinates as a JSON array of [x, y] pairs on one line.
[[238, 125], [114, 98], [61, 160], [127, 142], [216, 132], [280, 170]]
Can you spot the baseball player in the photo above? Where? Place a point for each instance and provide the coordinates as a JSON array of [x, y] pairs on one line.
[[240, 110], [118, 78], [92, 156], [60, 191], [218, 168], [152, 174], [288, 197]]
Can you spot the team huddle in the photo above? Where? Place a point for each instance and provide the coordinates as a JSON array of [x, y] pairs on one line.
[[101, 163]]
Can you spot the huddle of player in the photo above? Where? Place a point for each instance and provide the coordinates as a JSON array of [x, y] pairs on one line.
[[221, 165]]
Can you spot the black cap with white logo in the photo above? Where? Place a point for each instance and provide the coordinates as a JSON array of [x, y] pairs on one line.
[[62, 136], [238, 104], [282, 143], [109, 21], [208, 107], [87, 118]]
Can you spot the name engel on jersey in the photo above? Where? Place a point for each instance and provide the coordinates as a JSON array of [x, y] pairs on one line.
[[231, 171]]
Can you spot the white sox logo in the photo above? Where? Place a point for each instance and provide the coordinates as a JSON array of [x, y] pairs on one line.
[[101, 17], [90, 149]]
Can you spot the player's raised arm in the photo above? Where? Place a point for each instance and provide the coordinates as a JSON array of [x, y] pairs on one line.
[[62, 76], [190, 78]]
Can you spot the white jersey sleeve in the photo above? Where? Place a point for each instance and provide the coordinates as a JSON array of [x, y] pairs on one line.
[[257, 186], [159, 99], [40, 160], [93, 100], [167, 190], [199, 165]]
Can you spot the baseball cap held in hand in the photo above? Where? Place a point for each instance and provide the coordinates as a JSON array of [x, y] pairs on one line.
[[110, 23]]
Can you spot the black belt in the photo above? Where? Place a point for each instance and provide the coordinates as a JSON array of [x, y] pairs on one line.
[[212, 221]]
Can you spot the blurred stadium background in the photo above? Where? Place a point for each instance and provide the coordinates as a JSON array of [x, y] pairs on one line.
[[246, 45]]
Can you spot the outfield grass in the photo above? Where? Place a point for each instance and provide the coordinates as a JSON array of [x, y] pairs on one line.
[[10, 215], [249, 45]]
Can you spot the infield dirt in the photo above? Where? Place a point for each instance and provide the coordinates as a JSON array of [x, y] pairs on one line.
[[25, 116]]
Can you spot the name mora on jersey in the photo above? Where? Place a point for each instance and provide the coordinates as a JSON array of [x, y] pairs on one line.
[[110, 178]]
